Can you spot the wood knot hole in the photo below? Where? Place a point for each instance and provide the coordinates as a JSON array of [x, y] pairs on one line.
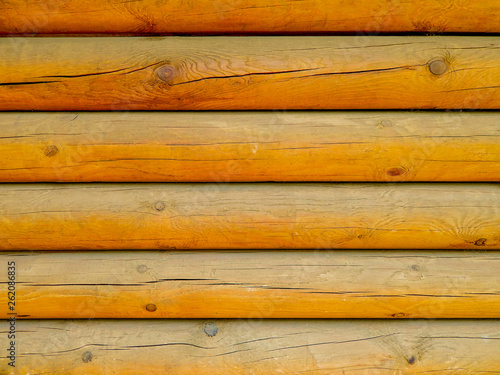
[[151, 307]]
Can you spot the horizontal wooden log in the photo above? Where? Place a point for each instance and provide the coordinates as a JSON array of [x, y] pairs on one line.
[[249, 216], [246, 147], [253, 284], [247, 16], [235, 73], [254, 347]]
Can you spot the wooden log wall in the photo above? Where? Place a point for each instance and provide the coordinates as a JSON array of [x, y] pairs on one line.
[[205, 197]]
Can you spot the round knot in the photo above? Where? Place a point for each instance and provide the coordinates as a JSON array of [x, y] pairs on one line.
[[398, 315], [480, 242], [386, 123], [51, 150], [142, 268], [397, 171], [438, 67], [160, 206], [210, 329], [166, 73], [87, 357]]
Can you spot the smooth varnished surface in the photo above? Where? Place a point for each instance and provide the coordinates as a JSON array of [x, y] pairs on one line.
[[249, 216], [249, 146], [235, 73], [255, 284]]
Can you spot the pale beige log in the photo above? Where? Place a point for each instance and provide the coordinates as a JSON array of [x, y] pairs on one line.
[[255, 347], [249, 146], [256, 284], [249, 216]]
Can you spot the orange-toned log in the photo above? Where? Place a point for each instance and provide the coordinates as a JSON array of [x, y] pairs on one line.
[[254, 347], [253, 284], [249, 216], [235, 73], [251, 146], [247, 16]]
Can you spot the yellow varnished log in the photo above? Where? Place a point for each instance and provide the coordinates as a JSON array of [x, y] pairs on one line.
[[247, 16], [249, 216], [254, 284], [255, 347], [235, 73], [249, 146]]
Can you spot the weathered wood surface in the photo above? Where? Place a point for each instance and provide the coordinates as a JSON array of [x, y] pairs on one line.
[[247, 16], [246, 147], [255, 347], [229, 73], [253, 284], [249, 216]]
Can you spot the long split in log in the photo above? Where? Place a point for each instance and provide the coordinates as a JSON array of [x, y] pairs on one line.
[[237, 73], [249, 146], [255, 347], [254, 284]]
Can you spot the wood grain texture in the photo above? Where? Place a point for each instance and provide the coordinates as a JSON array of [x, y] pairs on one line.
[[254, 347], [236, 73], [253, 284], [249, 216], [247, 16], [246, 147]]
